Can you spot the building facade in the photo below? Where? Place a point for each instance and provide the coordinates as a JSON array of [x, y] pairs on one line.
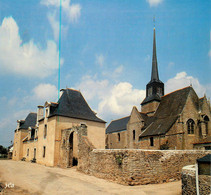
[[51, 138]]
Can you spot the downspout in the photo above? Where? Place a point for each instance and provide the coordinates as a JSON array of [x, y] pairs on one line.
[[197, 180]]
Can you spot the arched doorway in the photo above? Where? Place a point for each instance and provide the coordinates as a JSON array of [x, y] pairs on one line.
[[73, 149]]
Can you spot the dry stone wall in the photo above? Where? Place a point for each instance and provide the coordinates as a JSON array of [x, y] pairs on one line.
[[189, 182], [135, 166]]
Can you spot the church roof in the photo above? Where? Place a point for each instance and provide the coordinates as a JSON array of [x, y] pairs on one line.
[[30, 121], [153, 97], [72, 104], [168, 111], [118, 125]]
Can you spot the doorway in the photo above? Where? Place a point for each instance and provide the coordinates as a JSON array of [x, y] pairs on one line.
[[73, 150]]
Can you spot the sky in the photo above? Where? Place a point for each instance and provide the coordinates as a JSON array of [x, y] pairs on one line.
[[106, 53]]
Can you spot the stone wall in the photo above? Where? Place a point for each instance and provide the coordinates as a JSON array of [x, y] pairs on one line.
[[135, 167], [189, 182]]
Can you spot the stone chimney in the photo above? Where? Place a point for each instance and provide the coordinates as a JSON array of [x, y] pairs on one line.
[[40, 110]]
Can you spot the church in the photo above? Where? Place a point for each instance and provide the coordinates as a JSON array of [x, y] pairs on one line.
[[179, 120]]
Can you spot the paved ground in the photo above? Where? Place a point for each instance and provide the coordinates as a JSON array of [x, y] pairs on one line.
[[30, 178]]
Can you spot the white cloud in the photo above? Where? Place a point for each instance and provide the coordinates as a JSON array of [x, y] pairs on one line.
[[92, 88], [45, 92], [100, 60], [25, 59], [120, 100], [55, 26], [182, 80], [115, 73], [154, 2], [110, 99], [72, 11]]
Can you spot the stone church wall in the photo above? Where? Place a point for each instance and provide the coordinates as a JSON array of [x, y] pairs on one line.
[[135, 167], [117, 140]]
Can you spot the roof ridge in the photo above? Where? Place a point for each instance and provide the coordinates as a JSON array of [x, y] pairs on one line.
[[73, 89], [176, 91], [120, 118]]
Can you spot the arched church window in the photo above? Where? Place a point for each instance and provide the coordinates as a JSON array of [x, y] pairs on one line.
[[190, 126], [206, 121]]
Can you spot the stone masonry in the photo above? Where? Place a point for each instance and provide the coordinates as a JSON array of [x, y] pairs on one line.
[[135, 166]]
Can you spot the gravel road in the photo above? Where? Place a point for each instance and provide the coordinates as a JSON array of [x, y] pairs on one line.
[[29, 178]]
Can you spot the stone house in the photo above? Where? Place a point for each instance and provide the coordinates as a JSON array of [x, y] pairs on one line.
[[21, 132], [53, 137], [178, 120]]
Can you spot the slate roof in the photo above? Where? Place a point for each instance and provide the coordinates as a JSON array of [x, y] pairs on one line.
[[168, 111], [153, 97], [30, 121], [118, 125], [205, 159], [72, 104]]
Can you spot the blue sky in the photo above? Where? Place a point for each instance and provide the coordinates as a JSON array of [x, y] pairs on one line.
[[106, 49]]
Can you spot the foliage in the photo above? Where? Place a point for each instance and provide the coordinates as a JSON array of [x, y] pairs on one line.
[[164, 146], [119, 159], [3, 150]]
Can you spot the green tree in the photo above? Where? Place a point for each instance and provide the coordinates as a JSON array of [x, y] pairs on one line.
[[3, 150]]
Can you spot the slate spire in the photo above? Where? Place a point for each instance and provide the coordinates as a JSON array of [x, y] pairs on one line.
[[155, 88], [154, 74]]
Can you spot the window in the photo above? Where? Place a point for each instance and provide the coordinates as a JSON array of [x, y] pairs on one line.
[[151, 141], [119, 137], [44, 148], [190, 126], [150, 91], [134, 135], [35, 153], [206, 120], [28, 152], [45, 131], [32, 133]]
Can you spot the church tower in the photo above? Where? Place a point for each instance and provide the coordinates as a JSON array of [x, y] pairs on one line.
[[155, 88]]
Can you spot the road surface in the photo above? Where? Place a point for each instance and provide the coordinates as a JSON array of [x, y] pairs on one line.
[[30, 178]]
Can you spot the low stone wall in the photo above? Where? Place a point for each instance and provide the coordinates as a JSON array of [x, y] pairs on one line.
[[135, 167], [189, 182]]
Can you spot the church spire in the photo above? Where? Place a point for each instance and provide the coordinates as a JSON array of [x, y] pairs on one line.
[[155, 88], [154, 74]]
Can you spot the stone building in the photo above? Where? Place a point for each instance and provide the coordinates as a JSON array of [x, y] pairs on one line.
[[52, 137], [178, 120]]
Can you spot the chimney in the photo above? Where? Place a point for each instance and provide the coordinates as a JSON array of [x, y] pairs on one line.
[[40, 110]]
